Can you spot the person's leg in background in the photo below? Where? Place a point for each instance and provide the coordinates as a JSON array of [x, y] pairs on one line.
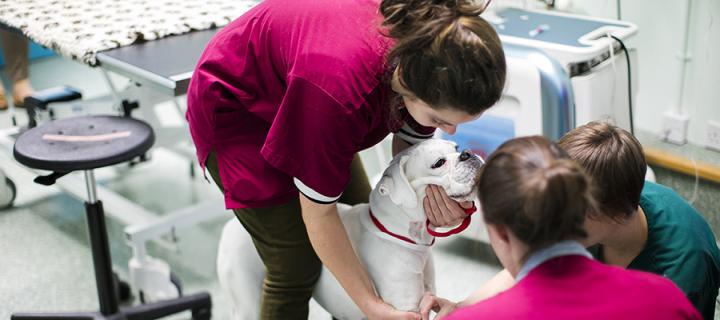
[[15, 49], [282, 242]]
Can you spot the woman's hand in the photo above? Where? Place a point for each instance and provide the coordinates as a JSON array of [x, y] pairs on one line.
[[384, 311], [441, 306], [441, 210]]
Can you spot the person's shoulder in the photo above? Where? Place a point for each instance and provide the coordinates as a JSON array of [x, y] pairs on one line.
[[657, 294], [642, 280], [667, 212], [653, 192], [629, 281], [320, 8], [655, 287], [656, 198], [339, 46]]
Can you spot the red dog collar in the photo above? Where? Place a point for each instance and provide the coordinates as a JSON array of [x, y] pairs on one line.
[[460, 228], [385, 230]]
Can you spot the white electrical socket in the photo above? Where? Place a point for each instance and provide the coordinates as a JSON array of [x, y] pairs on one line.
[[674, 128], [712, 139]]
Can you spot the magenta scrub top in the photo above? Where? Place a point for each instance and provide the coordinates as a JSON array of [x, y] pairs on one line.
[[575, 287], [288, 93]]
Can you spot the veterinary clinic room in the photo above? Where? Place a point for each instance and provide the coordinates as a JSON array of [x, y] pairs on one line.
[[359, 159]]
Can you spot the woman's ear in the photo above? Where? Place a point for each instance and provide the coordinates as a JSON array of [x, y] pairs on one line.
[[499, 232], [507, 248]]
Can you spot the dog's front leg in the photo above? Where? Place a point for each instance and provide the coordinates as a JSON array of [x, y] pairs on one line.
[[429, 274], [396, 271], [402, 291]]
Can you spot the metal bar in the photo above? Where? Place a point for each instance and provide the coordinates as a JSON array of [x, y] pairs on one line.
[[139, 75], [115, 93], [90, 184], [139, 233]]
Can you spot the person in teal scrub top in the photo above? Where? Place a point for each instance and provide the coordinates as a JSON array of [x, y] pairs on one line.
[[640, 224]]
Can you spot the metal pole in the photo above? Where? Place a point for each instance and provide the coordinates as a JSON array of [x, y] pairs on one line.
[[90, 184]]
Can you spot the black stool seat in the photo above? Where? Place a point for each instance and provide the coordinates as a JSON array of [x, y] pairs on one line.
[[83, 143]]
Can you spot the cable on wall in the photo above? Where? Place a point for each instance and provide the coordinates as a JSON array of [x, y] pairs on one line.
[[629, 74]]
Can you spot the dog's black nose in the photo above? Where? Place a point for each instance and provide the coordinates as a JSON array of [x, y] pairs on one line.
[[465, 155]]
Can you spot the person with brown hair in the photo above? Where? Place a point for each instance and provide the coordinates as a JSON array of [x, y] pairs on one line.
[[15, 49], [534, 200], [640, 224], [284, 98]]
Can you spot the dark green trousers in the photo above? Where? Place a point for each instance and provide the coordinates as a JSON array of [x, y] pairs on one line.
[[281, 239]]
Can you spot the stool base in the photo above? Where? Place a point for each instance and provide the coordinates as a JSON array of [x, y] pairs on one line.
[[199, 304]]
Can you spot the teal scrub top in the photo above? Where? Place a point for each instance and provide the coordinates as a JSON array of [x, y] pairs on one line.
[[680, 246]]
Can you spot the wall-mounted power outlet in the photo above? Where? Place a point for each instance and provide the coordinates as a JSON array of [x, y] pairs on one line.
[[712, 139], [674, 128]]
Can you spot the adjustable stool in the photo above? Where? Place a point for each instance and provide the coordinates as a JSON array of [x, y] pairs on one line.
[[86, 143]]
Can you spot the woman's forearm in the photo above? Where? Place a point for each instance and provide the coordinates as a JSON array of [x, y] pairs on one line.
[[330, 241], [499, 283]]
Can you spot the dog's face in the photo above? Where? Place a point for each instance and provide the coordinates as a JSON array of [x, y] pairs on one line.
[[435, 162]]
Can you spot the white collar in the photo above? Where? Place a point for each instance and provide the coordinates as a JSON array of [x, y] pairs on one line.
[[564, 248]]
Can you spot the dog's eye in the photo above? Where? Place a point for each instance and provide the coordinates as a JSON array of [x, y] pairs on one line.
[[438, 163]]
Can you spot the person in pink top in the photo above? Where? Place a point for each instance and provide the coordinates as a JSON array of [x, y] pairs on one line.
[[534, 199], [284, 97]]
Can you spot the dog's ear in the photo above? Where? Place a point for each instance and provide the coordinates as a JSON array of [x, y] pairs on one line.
[[395, 184]]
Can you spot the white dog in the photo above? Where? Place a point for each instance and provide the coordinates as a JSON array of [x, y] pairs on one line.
[[390, 235]]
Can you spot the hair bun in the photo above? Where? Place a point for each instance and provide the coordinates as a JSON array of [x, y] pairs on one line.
[[404, 16], [559, 195]]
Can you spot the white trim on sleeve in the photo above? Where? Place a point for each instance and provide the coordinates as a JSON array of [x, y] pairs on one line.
[[314, 195]]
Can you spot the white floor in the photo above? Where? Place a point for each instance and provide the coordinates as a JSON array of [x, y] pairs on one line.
[[46, 264]]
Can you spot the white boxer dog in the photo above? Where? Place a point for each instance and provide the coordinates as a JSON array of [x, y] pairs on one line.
[[390, 235]]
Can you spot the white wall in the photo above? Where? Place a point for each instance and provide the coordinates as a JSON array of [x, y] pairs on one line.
[[659, 41]]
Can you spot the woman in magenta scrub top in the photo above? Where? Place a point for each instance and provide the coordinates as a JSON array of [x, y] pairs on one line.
[[284, 98], [534, 199]]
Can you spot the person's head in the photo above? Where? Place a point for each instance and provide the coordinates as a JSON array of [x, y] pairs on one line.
[[450, 62], [532, 196], [614, 160]]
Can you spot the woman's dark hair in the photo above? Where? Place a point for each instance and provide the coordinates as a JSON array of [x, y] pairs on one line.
[[532, 187], [447, 55]]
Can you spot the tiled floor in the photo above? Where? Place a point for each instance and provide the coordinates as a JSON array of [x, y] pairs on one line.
[[46, 265]]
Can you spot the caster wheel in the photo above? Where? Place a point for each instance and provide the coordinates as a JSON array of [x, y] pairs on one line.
[[124, 293], [201, 314], [7, 194]]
